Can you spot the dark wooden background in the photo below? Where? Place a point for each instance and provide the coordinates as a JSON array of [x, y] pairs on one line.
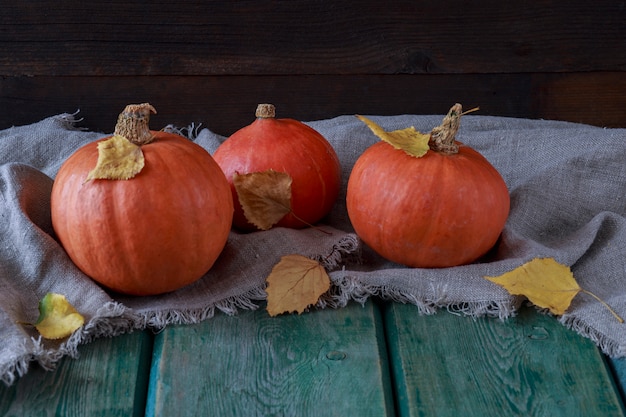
[[211, 62]]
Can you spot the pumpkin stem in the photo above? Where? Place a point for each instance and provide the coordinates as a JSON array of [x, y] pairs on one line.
[[443, 137], [265, 111], [133, 123]]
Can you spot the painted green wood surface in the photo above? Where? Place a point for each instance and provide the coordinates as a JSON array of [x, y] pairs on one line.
[[323, 363], [449, 365], [109, 379]]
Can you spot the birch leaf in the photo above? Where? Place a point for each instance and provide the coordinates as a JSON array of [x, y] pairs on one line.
[[547, 284], [295, 283], [264, 196], [408, 140], [118, 159], [57, 317]]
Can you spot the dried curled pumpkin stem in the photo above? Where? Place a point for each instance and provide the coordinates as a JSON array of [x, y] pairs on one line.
[[443, 137], [133, 123]]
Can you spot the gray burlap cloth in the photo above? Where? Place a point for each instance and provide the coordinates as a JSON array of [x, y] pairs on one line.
[[566, 180]]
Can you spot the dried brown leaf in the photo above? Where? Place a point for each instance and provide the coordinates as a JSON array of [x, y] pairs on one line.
[[264, 196], [295, 283]]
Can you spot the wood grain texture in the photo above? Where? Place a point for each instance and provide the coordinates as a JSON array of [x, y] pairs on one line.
[[210, 62], [594, 98], [226, 103], [309, 37], [108, 380], [448, 365], [326, 363]]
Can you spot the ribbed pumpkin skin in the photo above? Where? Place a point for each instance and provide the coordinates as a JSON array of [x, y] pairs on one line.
[[435, 211], [284, 145], [155, 233]]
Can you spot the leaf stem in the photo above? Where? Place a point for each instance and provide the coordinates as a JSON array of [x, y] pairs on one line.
[[290, 211], [621, 320], [309, 224]]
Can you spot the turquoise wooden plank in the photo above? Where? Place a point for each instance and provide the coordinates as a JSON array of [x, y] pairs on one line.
[[321, 363], [108, 379], [449, 365]]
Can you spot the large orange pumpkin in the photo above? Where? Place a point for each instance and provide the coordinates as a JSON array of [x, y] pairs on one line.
[[446, 208], [153, 233], [287, 146]]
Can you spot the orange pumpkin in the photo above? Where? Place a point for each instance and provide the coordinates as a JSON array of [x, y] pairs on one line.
[[288, 146], [443, 209], [154, 233]]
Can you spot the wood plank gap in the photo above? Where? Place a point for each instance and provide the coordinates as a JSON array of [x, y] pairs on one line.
[[618, 369], [143, 374]]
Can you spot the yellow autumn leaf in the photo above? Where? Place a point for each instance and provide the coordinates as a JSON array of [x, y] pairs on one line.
[[264, 196], [547, 284], [118, 159], [295, 283], [408, 140], [57, 317]]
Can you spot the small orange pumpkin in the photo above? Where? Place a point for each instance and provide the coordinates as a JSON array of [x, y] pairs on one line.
[[445, 208], [154, 233], [286, 146]]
